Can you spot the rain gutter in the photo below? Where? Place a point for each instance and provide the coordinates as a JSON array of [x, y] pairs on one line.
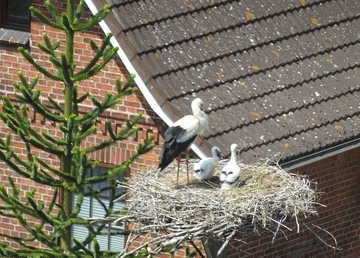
[[319, 155]]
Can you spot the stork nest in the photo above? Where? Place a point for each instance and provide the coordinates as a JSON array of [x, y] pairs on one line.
[[266, 198]]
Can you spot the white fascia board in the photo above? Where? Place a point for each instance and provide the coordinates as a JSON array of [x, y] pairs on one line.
[[320, 155], [138, 80]]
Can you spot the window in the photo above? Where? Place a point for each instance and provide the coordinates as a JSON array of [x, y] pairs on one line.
[[15, 14], [92, 208]]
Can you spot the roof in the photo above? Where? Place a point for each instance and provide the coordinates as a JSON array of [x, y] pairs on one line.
[[275, 76]]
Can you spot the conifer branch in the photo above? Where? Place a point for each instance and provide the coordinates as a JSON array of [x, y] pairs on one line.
[[82, 246], [108, 175], [29, 135], [84, 73], [93, 20], [118, 169], [94, 47], [77, 205], [83, 97], [66, 23], [53, 201], [44, 19], [43, 48], [65, 67], [54, 170], [53, 11], [41, 69], [79, 12], [71, 178], [108, 55], [19, 240], [19, 210], [118, 137], [52, 139], [84, 135], [128, 88], [56, 62], [26, 172], [12, 201], [5, 147], [38, 234], [46, 217], [101, 190], [56, 105]]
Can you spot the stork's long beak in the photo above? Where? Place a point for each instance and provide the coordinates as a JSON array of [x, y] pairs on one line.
[[220, 155]]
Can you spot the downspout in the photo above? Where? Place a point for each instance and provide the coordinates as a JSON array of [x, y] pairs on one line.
[[139, 82]]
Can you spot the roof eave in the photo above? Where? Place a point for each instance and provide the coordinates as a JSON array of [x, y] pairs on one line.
[[319, 155]]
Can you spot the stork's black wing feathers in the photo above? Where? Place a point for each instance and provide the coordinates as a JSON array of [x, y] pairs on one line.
[[174, 132], [172, 148]]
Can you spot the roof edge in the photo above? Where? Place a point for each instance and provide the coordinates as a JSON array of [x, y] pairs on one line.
[[319, 155], [139, 82]]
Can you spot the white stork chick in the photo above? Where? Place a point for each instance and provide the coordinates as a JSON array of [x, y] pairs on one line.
[[181, 135], [230, 173], [205, 169]]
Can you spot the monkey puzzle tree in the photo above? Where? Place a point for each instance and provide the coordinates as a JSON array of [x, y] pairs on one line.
[[71, 177]]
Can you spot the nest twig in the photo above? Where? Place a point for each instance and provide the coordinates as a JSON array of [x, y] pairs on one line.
[[265, 199]]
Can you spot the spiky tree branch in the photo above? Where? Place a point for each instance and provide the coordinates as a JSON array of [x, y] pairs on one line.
[[71, 177]]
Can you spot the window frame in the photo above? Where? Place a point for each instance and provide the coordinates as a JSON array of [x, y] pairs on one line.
[[91, 209], [10, 22]]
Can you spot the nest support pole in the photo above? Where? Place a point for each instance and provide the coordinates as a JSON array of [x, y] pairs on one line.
[[212, 247]]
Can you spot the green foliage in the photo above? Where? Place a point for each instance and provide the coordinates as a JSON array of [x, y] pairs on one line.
[[70, 178]]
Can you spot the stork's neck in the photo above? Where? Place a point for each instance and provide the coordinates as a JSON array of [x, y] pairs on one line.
[[233, 157], [215, 157], [203, 119]]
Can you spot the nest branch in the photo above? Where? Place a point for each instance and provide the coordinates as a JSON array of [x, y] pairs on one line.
[[266, 198]]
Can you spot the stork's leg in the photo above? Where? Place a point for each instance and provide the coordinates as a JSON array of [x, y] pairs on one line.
[[177, 177], [187, 165]]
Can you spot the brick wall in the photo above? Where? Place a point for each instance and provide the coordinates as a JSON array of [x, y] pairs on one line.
[[338, 179], [338, 176], [150, 125]]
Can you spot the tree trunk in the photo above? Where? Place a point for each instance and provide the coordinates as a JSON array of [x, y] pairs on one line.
[[212, 247]]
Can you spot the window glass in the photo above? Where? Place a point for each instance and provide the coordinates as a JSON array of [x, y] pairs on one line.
[[92, 208], [19, 9], [15, 14]]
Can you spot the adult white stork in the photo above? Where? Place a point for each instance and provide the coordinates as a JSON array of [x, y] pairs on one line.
[[181, 135], [230, 173], [205, 169]]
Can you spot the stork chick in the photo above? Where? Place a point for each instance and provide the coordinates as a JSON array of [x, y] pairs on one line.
[[205, 169], [230, 173], [181, 135]]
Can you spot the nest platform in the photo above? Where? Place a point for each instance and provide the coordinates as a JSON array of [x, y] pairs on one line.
[[266, 198]]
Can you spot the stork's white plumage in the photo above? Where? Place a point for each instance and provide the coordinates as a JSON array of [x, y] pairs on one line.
[[181, 135], [230, 173], [205, 169]]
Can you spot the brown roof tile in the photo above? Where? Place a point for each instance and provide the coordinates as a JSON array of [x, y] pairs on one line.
[[276, 76]]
